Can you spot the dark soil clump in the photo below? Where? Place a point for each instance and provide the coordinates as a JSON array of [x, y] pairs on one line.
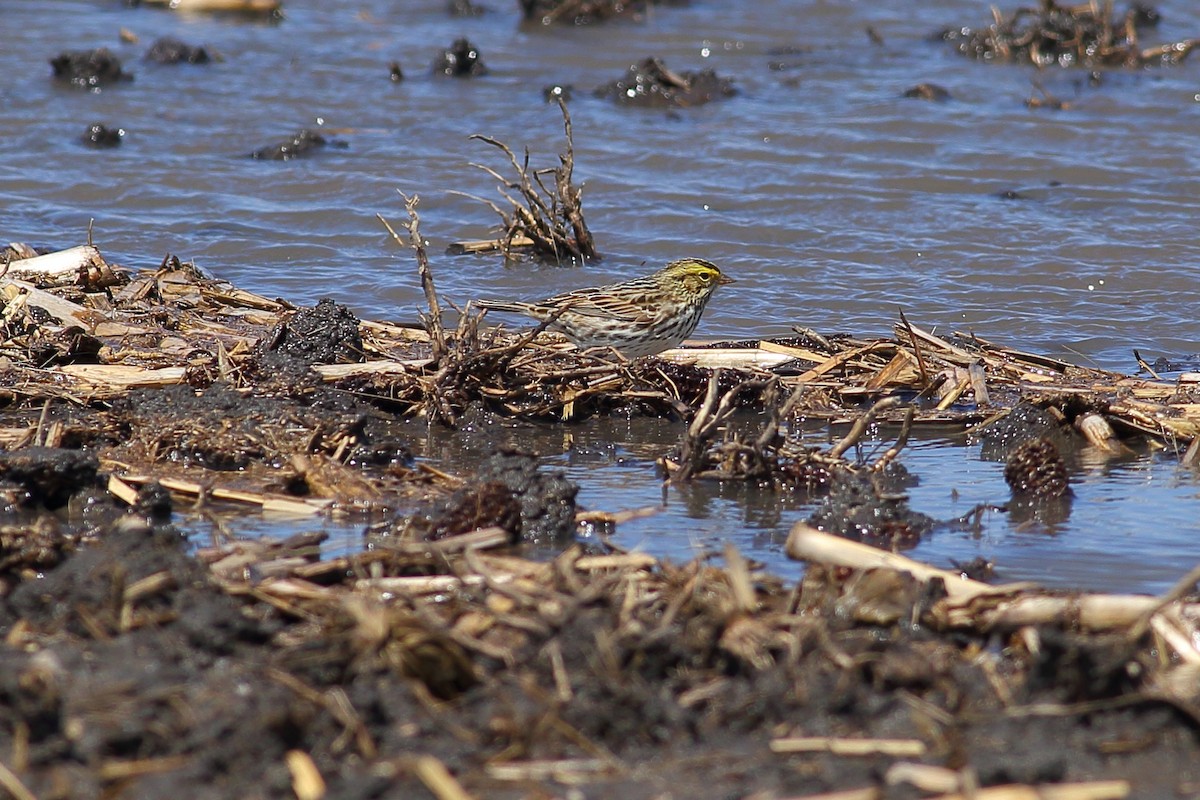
[[585, 12], [1024, 422], [479, 505], [546, 499], [650, 84], [102, 136], [46, 477], [327, 333], [303, 144], [871, 507], [89, 69], [173, 51], [460, 60]]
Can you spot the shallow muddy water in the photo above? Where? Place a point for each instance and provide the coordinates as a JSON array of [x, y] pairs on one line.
[[832, 199]]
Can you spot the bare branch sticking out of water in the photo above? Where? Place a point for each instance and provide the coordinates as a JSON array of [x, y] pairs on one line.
[[544, 217]]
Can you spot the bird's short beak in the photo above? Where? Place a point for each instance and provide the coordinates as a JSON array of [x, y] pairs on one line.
[[724, 279]]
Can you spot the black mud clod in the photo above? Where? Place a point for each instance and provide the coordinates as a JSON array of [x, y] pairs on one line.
[[45, 477], [650, 84], [1023, 423], [460, 60], [871, 507], [101, 136], [546, 499], [486, 504], [304, 143], [89, 69], [327, 333], [172, 51], [508, 491], [584, 12]]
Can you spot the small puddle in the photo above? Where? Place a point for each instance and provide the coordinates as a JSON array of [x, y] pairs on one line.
[[1131, 525]]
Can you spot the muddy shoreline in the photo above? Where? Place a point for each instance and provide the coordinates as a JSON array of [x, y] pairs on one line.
[[441, 662], [133, 670]]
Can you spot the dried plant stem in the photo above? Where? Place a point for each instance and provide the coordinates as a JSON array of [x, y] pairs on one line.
[[861, 424], [432, 320]]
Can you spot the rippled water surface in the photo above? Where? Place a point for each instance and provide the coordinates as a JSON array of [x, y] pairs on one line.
[[832, 199]]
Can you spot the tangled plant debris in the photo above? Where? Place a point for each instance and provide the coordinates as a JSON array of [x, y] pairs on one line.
[[1086, 35], [544, 217]]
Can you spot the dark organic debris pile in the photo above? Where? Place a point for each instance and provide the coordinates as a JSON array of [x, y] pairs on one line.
[[100, 136], [1036, 444], [172, 51], [460, 60], [586, 12], [871, 506], [304, 143], [45, 477], [327, 333], [89, 69], [1085, 34], [650, 84], [508, 492]]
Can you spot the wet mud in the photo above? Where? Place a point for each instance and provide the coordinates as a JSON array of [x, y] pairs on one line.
[[133, 669]]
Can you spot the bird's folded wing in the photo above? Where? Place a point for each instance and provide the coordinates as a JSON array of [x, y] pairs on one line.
[[609, 307]]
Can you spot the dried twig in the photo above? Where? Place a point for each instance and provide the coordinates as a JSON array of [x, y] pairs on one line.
[[861, 424], [433, 319]]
